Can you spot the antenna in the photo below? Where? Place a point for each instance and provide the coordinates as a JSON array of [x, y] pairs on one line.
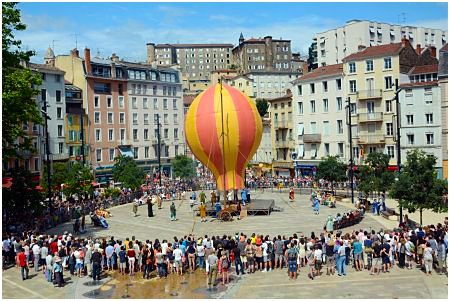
[[53, 44], [76, 39]]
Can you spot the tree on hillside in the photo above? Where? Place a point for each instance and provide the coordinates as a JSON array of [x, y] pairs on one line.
[[183, 166], [18, 87], [262, 105], [418, 187], [127, 172], [332, 170]]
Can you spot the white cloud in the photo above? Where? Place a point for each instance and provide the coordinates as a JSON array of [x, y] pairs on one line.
[[173, 12]]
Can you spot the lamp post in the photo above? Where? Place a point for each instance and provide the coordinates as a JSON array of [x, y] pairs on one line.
[[159, 149], [349, 123], [47, 151], [397, 108]]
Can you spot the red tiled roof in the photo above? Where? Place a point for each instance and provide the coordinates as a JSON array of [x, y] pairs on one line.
[[420, 84], [375, 51], [322, 72], [193, 45], [424, 69]]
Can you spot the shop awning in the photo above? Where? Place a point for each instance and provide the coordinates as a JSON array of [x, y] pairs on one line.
[[286, 165], [126, 151]]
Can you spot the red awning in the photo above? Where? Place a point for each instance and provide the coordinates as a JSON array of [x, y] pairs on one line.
[[38, 188], [393, 168], [6, 182]]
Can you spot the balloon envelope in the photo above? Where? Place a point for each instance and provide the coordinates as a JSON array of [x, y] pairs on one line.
[[226, 152]]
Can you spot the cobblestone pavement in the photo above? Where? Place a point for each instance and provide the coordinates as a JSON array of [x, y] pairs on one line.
[[294, 217]]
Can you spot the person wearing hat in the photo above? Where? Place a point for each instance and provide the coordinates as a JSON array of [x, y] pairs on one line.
[[202, 209], [330, 224], [57, 271]]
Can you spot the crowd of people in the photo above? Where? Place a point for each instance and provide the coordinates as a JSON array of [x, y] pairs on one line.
[[375, 251]]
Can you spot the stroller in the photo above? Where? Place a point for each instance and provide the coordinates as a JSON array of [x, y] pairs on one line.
[[99, 221]]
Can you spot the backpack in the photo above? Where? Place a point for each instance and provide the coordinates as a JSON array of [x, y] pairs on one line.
[[224, 263], [292, 256], [269, 248]]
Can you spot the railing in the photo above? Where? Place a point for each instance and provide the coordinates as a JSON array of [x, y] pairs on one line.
[[368, 117], [311, 138], [284, 144], [368, 94], [283, 124], [371, 139]]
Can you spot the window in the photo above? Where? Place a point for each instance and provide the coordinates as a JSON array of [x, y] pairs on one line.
[[372, 149], [60, 147], [339, 103], [388, 82], [43, 94], [327, 149], [135, 134], [299, 90], [110, 134], [313, 106], [341, 149], [311, 89], [340, 129], [338, 84], [136, 152], [145, 103], [146, 119], [174, 104], [175, 133], [60, 130], [122, 135], [97, 117], [410, 139], [155, 104], [59, 113], [146, 152], [164, 90], [351, 67], [145, 134], [109, 102], [313, 151], [428, 97], [110, 117], [166, 133], [166, 119], [352, 84], [175, 118], [154, 90], [388, 106], [72, 136], [99, 155], [300, 107], [326, 127], [387, 63], [98, 135], [165, 106], [58, 78], [102, 88], [58, 96], [313, 127], [176, 150], [369, 65], [325, 105], [111, 154], [410, 119], [166, 151], [356, 152], [391, 151], [121, 102], [429, 118], [135, 118], [389, 129], [96, 102], [133, 103], [430, 139], [121, 118], [325, 86]]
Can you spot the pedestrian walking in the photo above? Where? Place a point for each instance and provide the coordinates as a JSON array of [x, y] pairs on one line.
[[173, 212]]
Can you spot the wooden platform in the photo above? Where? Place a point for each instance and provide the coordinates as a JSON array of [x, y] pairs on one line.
[[255, 207]]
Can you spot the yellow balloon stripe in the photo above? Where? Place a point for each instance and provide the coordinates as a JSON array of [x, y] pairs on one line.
[[258, 132], [231, 139]]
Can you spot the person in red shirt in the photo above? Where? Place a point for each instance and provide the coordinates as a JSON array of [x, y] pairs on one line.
[[22, 258], [54, 246], [131, 258]]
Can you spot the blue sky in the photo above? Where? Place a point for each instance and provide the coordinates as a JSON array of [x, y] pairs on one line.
[[125, 28]]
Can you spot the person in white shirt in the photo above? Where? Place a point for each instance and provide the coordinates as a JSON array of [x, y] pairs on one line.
[[318, 260], [177, 254], [37, 255], [201, 256], [164, 246], [265, 257]]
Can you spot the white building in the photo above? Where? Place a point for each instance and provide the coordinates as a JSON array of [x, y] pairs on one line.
[[319, 117], [420, 105], [269, 85], [335, 44], [264, 152]]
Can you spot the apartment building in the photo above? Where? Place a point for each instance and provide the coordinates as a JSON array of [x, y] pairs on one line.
[[420, 122], [332, 46], [443, 86], [196, 61], [268, 85], [369, 75], [216, 75], [262, 55], [320, 118], [76, 124], [282, 134], [154, 93]]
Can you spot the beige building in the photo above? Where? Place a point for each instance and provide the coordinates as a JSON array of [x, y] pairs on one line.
[[196, 61], [282, 134], [242, 83], [334, 45], [217, 74], [263, 55], [443, 85]]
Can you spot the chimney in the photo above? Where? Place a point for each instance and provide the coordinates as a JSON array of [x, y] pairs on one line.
[[418, 49], [151, 53], [114, 57], [432, 51], [361, 48], [75, 53], [405, 42], [113, 69], [87, 59]]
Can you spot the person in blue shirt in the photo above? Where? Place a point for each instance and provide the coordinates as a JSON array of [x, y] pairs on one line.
[[218, 208], [357, 253], [244, 196]]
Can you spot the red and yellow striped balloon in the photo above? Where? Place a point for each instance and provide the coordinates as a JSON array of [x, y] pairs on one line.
[[242, 132]]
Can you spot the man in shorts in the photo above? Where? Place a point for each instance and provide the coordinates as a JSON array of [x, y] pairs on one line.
[[279, 257], [178, 264], [122, 260], [318, 261], [292, 254], [376, 261], [250, 252]]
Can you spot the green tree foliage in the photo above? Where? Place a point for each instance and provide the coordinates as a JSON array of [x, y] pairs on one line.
[[183, 166], [418, 187], [79, 181], [18, 87], [332, 170], [262, 105], [22, 201], [127, 172], [60, 175], [375, 176]]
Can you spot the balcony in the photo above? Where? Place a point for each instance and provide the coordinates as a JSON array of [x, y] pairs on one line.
[[284, 144], [370, 117], [312, 138], [371, 138], [369, 94], [283, 124]]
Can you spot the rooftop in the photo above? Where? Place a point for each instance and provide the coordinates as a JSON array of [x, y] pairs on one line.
[[39, 67], [375, 51], [424, 69], [320, 72], [194, 45], [420, 84]]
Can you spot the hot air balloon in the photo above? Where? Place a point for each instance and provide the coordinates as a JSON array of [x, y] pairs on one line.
[[223, 129]]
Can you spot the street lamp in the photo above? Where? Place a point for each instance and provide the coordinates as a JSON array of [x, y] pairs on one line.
[[47, 151], [349, 123], [397, 107]]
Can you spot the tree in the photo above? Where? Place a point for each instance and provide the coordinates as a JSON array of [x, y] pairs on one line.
[[79, 180], [262, 105], [418, 187], [375, 176], [18, 87], [60, 175], [332, 170], [127, 172], [183, 166]]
